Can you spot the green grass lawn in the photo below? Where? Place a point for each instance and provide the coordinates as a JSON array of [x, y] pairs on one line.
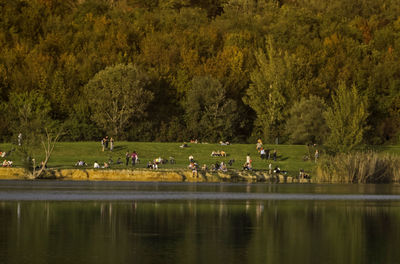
[[290, 157]]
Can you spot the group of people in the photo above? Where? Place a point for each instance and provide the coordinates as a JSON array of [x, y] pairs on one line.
[[96, 165], [265, 153], [106, 164], [80, 163], [220, 167], [7, 163], [214, 167], [218, 153], [105, 142], [133, 157]]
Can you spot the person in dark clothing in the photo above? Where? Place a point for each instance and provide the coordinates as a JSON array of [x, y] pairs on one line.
[[127, 157], [106, 142]]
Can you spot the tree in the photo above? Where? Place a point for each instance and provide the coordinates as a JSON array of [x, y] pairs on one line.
[[117, 95], [346, 119], [306, 123], [30, 122], [48, 142], [265, 94], [209, 114], [29, 114]]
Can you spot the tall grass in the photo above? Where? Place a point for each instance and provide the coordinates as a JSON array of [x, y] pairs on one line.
[[359, 167]]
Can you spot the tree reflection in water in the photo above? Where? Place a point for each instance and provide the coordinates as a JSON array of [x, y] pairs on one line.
[[200, 231]]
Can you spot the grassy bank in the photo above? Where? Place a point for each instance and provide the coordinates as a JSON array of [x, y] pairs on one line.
[[353, 168], [66, 154]]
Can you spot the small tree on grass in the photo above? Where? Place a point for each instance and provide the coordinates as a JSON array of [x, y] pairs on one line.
[[29, 116], [346, 119], [48, 142], [116, 95]]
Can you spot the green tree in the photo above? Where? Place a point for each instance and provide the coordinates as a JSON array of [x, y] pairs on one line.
[[209, 114], [32, 127], [117, 95], [346, 119], [306, 123], [29, 114], [265, 94]]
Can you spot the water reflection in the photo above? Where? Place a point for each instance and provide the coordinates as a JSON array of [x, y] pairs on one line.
[[199, 231], [249, 230]]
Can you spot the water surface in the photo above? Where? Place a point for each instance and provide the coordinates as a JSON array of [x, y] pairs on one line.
[[127, 222]]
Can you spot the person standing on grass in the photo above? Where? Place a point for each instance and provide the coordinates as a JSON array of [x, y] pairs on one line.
[[106, 142], [262, 153], [20, 139], [103, 141], [127, 157], [274, 155], [111, 144], [133, 156], [248, 159], [316, 155]]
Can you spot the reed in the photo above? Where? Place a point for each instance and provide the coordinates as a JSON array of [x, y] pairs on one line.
[[359, 167]]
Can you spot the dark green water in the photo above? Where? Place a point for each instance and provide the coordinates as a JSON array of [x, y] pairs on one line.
[[117, 222]]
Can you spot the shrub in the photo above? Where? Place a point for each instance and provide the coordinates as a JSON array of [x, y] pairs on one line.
[[359, 167]]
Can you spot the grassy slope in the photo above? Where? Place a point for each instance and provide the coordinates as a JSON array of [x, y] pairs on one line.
[[290, 157]]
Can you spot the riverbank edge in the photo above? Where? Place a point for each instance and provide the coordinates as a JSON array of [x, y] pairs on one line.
[[144, 175]]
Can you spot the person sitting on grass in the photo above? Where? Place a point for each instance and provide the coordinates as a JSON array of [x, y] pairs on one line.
[[96, 165], [279, 171], [80, 163], [247, 166], [194, 172], [7, 163], [191, 158], [216, 167], [158, 160], [192, 165], [223, 167]]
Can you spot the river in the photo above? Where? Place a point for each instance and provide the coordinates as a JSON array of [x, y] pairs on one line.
[[133, 222]]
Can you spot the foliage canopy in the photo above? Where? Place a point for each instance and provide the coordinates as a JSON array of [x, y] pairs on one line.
[[265, 55]]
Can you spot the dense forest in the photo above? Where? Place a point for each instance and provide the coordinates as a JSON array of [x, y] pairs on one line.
[[294, 71]]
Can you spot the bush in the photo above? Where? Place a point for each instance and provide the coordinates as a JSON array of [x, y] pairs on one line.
[[359, 167]]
